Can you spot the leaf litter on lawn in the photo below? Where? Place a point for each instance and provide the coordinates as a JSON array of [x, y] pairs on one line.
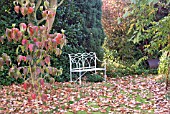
[[133, 94]]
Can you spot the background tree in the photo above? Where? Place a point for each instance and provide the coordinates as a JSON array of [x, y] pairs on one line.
[[150, 25], [93, 34], [116, 30], [120, 53]]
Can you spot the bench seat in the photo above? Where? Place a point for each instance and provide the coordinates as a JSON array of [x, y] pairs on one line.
[[86, 69]]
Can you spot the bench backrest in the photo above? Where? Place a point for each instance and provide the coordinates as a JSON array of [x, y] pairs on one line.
[[82, 60]]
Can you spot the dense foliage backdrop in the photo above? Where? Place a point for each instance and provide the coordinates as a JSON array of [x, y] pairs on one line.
[[134, 34]]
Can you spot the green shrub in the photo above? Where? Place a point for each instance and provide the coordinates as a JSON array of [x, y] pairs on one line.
[[150, 25], [94, 78], [92, 31]]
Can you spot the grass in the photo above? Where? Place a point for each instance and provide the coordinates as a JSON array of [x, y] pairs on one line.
[[93, 98]]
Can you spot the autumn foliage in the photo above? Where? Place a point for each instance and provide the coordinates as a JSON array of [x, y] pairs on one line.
[[116, 27], [113, 10]]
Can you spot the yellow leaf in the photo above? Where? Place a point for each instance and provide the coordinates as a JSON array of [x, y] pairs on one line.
[[131, 27]]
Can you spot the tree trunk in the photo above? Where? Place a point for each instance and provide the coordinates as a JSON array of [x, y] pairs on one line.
[[52, 8], [53, 5]]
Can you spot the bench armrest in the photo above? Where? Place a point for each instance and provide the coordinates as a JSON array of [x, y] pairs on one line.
[[100, 60]]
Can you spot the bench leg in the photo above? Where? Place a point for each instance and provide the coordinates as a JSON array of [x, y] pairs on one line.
[[105, 75], [80, 78], [71, 77]]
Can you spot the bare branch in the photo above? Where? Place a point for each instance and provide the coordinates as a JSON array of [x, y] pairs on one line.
[[32, 1], [60, 3], [40, 21], [38, 5], [36, 8]]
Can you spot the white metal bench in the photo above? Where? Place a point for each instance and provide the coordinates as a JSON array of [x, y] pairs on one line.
[[84, 62]]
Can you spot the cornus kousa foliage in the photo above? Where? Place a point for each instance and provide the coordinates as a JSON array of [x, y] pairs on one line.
[[35, 46], [30, 8], [5, 59]]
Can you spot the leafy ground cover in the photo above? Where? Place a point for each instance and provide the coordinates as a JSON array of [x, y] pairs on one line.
[[130, 94]]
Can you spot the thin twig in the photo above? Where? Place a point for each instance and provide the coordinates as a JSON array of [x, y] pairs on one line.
[[60, 3], [38, 5], [40, 21], [36, 8]]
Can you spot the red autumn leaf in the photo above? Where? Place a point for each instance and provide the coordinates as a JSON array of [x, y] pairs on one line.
[[59, 35], [25, 85], [19, 35], [30, 30], [29, 100], [42, 63], [24, 58], [30, 10], [69, 90], [20, 58], [42, 82], [38, 44], [24, 41], [14, 33], [35, 29], [38, 71], [8, 61], [16, 8], [30, 46], [35, 40], [33, 96], [24, 10], [44, 97], [35, 86], [15, 30], [8, 33], [46, 44], [47, 60], [58, 38]]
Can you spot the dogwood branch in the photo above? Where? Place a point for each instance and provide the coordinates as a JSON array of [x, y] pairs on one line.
[[38, 5], [60, 3], [40, 21]]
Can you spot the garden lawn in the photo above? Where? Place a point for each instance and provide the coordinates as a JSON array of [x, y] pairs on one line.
[[130, 94]]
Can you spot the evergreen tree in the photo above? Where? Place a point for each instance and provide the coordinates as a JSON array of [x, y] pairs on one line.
[[93, 34]]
